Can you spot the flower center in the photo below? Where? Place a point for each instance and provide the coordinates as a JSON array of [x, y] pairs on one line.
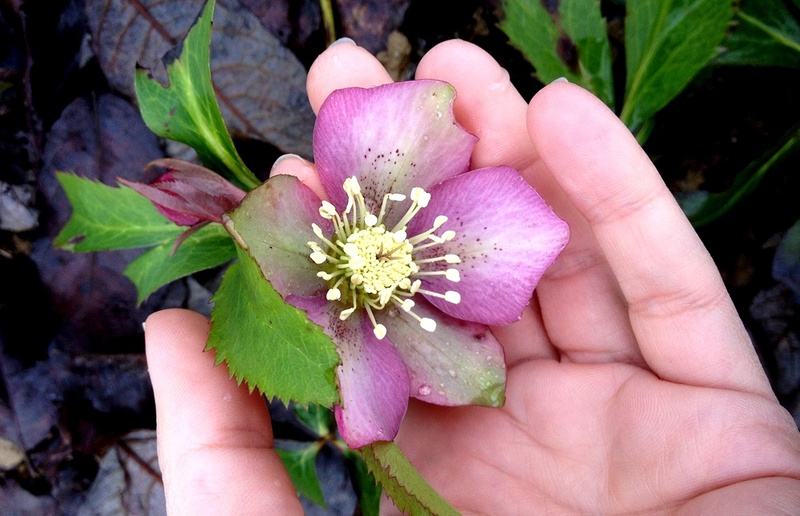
[[367, 265]]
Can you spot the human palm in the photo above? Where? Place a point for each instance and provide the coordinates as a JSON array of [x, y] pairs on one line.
[[632, 384]]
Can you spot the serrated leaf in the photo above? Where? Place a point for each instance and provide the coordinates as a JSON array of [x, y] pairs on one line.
[[402, 482], [268, 343], [104, 217], [666, 43], [318, 419], [208, 247], [366, 487], [187, 110], [766, 34], [702, 207], [566, 39], [300, 464]]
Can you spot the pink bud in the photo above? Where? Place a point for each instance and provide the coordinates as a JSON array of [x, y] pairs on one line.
[[188, 194]]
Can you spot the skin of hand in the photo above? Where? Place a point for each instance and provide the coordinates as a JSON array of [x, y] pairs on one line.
[[632, 384]]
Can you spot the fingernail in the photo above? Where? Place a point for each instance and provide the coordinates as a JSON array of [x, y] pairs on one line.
[[144, 326], [343, 40], [560, 79], [285, 157]]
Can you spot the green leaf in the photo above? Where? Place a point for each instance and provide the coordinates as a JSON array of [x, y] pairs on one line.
[[268, 343], [104, 217], [666, 43], [187, 110], [367, 489], [402, 482], [568, 41], [300, 464], [766, 34], [702, 207], [208, 247], [318, 419]]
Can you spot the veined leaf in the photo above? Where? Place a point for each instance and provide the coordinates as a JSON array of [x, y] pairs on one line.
[[666, 43], [268, 343], [187, 110], [400, 480], [766, 34], [567, 39], [300, 464], [104, 217], [208, 247]]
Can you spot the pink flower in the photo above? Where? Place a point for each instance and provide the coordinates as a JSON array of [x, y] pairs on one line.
[[409, 259], [188, 194]]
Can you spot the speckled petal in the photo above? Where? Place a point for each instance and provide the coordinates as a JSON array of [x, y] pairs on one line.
[[506, 236], [373, 381], [392, 138], [460, 363], [274, 224]]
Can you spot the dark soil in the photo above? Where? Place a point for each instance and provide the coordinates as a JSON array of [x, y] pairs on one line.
[[73, 380]]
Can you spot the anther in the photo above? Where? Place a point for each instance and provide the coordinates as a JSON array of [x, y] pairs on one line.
[[428, 324], [333, 294]]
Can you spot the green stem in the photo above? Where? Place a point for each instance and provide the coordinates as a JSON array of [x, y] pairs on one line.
[[328, 21], [402, 482]]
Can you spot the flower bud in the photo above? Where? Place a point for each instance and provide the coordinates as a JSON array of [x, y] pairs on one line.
[[188, 194]]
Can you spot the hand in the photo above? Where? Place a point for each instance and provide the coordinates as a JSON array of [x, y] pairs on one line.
[[632, 384]]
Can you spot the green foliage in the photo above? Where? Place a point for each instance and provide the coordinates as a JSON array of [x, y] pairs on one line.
[[209, 247], [702, 207], [187, 110], [766, 34], [366, 487], [104, 218], [666, 43], [268, 343], [570, 42], [409, 491], [300, 464], [318, 419]]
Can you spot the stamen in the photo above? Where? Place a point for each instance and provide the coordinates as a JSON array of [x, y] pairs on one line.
[[333, 294], [449, 296], [420, 196], [318, 257], [451, 274], [327, 211], [427, 324], [370, 220], [378, 329]]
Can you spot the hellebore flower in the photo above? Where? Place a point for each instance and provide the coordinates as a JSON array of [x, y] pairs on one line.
[[410, 257], [188, 194]]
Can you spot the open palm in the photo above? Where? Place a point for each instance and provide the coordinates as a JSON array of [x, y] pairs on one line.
[[632, 384]]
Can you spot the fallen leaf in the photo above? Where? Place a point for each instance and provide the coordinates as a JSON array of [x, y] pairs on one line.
[[369, 22], [259, 83]]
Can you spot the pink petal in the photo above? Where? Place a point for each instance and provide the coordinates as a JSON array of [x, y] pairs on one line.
[[460, 363], [506, 236], [373, 380], [274, 224], [392, 138]]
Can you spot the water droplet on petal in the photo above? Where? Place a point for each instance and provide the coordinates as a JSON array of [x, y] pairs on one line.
[[424, 390], [451, 373]]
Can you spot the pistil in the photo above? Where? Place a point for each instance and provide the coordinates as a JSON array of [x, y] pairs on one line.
[[367, 265]]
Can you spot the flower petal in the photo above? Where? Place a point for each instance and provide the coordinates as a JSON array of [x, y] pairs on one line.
[[460, 363], [373, 380], [274, 224], [506, 236], [392, 138]]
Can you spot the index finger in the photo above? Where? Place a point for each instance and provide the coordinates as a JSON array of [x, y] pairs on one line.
[[685, 323]]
